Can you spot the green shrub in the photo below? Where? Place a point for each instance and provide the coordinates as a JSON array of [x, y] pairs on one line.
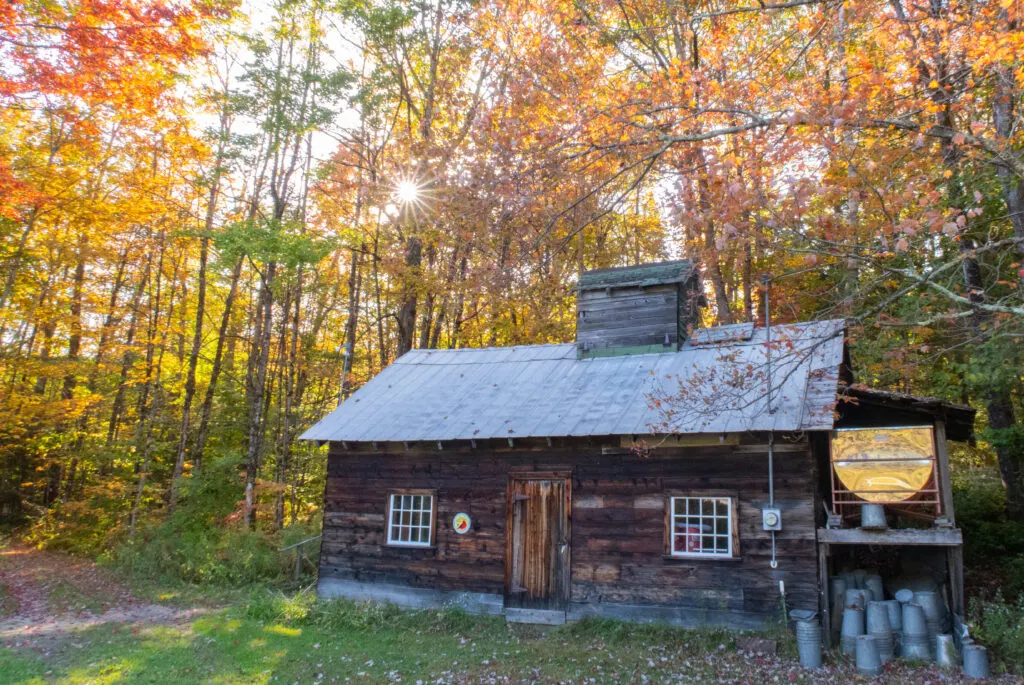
[[274, 606], [85, 526], [999, 625], [993, 544], [203, 541]]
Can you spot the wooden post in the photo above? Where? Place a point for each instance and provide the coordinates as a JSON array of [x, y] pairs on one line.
[[298, 562], [942, 458], [955, 555], [824, 595]]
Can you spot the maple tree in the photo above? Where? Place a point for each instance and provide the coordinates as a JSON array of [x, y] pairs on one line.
[[204, 245]]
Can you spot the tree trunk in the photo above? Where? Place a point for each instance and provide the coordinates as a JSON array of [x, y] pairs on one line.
[[14, 266], [748, 282], [256, 384], [207, 409], [117, 406], [284, 384], [407, 313], [75, 338], [351, 321], [1005, 96], [146, 411], [193, 362]]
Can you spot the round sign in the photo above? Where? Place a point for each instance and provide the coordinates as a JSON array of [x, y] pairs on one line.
[[461, 523]]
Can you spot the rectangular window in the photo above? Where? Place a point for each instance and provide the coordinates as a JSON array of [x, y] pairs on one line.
[[701, 526], [411, 519]]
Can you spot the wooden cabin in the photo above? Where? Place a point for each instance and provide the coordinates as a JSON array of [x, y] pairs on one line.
[[650, 471]]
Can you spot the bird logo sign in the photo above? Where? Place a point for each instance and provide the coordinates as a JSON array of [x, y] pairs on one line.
[[461, 523]]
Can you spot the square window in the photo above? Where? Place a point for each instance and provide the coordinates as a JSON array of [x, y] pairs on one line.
[[701, 526], [411, 522]]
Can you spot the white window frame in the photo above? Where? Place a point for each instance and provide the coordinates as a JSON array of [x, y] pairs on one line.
[[672, 518], [401, 502]]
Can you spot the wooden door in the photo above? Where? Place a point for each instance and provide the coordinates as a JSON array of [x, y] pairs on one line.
[[537, 565]]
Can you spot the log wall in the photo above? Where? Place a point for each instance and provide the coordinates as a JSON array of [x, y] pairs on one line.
[[617, 523]]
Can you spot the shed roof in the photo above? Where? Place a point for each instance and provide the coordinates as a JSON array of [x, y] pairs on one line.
[[545, 391], [676, 271], [959, 418]]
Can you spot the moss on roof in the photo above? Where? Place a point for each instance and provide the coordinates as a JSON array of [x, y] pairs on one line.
[[676, 271]]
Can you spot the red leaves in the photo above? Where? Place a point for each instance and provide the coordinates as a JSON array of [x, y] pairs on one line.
[[99, 51]]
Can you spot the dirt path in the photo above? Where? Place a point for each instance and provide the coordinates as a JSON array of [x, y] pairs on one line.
[[47, 595]]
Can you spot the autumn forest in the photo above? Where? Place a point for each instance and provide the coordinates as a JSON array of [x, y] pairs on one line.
[[218, 219]]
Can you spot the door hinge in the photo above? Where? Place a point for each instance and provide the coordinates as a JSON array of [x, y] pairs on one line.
[[519, 497], [515, 589]]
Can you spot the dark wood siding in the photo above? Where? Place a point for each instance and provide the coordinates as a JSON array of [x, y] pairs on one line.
[[617, 523]]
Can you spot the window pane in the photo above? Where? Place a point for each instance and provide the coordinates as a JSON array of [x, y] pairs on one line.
[[411, 519], [701, 525]]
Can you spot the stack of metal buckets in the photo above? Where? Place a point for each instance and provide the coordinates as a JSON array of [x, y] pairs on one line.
[[873, 629], [914, 625]]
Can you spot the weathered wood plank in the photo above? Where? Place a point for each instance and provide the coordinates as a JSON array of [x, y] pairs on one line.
[[939, 537]]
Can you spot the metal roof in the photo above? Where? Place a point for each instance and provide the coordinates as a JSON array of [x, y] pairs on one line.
[[676, 271], [959, 418], [545, 391], [721, 334]]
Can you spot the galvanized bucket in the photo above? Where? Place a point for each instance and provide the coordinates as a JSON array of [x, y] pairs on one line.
[[895, 615], [808, 643], [945, 651], [934, 611], [975, 661], [853, 627], [873, 584], [867, 659], [872, 517], [914, 623], [895, 622], [915, 642], [856, 598], [878, 627]]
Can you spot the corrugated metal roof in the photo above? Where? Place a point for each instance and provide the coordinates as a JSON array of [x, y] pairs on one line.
[[545, 391], [676, 271]]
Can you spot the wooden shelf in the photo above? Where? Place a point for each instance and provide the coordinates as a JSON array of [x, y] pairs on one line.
[[941, 537]]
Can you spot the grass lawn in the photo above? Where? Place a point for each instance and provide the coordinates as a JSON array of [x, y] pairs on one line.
[[277, 639], [288, 641]]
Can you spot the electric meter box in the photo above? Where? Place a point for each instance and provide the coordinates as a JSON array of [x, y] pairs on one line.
[[771, 519]]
